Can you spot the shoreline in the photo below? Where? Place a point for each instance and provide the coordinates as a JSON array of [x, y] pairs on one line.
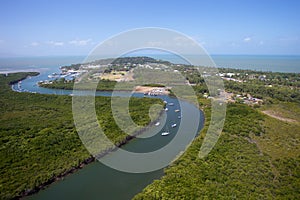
[[147, 90], [86, 161], [18, 71], [54, 179]]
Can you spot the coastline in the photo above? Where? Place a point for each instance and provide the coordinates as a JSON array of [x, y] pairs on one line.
[[149, 90], [18, 71], [21, 79]]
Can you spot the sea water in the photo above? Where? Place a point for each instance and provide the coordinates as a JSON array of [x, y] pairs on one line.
[[274, 63]]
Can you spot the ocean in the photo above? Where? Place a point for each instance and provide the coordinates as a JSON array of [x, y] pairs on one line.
[[274, 63]]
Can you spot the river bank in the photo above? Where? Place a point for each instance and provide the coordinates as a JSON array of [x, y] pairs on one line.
[[55, 178], [87, 160], [137, 145]]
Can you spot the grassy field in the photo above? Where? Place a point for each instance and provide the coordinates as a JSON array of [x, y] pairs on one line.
[[285, 109], [38, 140], [281, 138]]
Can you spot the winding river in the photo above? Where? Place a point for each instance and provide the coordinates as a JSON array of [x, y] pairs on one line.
[[97, 181]]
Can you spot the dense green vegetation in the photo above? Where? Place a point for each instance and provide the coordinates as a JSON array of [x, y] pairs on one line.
[[38, 140], [267, 78], [154, 85], [240, 165], [103, 85], [259, 90], [116, 63], [256, 157], [269, 86]]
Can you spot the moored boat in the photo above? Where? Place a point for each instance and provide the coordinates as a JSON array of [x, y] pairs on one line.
[[165, 133]]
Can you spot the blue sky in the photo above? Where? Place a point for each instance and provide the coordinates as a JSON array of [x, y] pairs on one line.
[[42, 28]]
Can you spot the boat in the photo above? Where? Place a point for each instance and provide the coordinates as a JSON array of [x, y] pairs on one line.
[[157, 123], [171, 104], [52, 76], [177, 110], [166, 109], [174, 125], [165, 102], [179, 117], [165, 133]]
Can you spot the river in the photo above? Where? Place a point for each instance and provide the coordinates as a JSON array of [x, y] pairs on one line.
[[97, 181]]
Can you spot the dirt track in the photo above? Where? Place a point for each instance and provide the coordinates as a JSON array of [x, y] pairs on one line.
[[276, 116]]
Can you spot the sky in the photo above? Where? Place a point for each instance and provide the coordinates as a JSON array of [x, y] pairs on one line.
[[61, 27]]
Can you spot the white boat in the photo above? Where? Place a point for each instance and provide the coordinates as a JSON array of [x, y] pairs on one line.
[[174, 125], [52, 76], [166, 109], [165, 102], [177, 110], [157, 123], [165, 133], [171, 104]]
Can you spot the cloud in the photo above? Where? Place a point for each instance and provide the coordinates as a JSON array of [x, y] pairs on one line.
[[55, 43], [247, 39], [80, 42], [34, 44]]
